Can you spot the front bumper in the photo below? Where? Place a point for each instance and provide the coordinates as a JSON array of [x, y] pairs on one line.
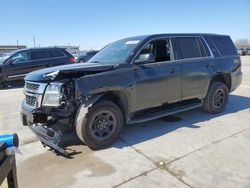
[[30, 116], [49, 136], [26, 114]]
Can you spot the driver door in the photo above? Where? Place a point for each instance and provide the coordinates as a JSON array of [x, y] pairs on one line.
[[17, 66], [159, 82]]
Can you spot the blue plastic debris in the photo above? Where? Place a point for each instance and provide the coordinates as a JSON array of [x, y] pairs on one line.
[[10, 139]]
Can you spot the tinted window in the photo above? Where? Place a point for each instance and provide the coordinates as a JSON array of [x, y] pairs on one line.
[[224, 45], [40, 55], [56, 53], [189, 47], [212, 47]]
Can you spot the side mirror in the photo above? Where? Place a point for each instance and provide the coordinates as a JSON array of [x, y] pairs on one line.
[[10, 61], [145, 58]]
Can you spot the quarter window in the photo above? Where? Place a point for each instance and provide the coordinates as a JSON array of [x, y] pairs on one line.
[[56, 53], [189, 47], [224, 45]]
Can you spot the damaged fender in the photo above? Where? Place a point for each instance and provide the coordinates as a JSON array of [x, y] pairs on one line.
[[83, 110]]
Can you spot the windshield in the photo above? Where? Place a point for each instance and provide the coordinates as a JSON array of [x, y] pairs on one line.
[[3, 57], [116, 52]]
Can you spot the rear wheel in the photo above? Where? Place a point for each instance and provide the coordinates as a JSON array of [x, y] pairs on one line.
[[216, 98], [101, 125]]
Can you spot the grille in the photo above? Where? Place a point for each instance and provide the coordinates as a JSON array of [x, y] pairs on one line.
[[32, 86], [30, 100]]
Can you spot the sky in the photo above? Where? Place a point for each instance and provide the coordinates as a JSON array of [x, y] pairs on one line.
[[93, 24]]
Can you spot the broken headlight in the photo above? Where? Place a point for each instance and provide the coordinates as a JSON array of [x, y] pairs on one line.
[[53, 95]]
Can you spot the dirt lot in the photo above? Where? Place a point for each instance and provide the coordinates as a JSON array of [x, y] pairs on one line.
[[199, 150]]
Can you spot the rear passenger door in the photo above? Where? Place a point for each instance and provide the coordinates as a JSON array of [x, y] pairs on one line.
[[59, 58], [40, 59], [194, 57]]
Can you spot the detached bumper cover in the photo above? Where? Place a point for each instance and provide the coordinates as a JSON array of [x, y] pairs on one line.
[[46, 135], [49, 138]]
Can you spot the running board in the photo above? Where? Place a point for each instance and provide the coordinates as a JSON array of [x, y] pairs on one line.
[[165, 112]]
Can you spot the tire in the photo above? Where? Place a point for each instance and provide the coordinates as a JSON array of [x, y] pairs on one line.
[[81, 61], [101, 126], [2, 84], [216, 98]]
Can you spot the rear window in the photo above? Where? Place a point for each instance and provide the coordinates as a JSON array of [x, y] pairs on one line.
[[224, 45], [189, 47]]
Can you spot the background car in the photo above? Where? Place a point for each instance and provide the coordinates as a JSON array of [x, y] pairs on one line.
[[247, 51], [85, 57], [16, 64], [243, 51]]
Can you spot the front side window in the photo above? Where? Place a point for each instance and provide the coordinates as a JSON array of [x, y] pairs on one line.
[[21, 57], [159, 48], [189, 47]]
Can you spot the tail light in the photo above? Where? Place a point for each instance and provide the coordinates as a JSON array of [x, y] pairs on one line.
[[72, 60]]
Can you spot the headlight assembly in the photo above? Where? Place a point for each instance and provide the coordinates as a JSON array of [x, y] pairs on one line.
[[53, 95]]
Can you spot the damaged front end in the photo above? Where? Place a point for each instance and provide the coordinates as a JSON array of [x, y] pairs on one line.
[[53, 101], [48, 109]]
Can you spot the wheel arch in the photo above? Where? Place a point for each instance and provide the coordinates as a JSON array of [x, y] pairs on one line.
[[119, 98], [224, 78]]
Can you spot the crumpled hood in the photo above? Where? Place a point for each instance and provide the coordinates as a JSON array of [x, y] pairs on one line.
[[60, 72]]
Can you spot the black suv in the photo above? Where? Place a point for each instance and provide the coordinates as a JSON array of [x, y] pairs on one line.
[[132, 80], [16, 64]]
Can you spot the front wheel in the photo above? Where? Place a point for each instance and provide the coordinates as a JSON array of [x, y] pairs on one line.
[[216, 98], [101, 126], [2, 84]]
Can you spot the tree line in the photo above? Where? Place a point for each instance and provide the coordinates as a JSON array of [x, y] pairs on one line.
[[242, 43]]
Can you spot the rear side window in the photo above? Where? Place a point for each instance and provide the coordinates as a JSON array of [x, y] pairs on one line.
[[56, 53], [224, 45], [189, 47], [40, 55]]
